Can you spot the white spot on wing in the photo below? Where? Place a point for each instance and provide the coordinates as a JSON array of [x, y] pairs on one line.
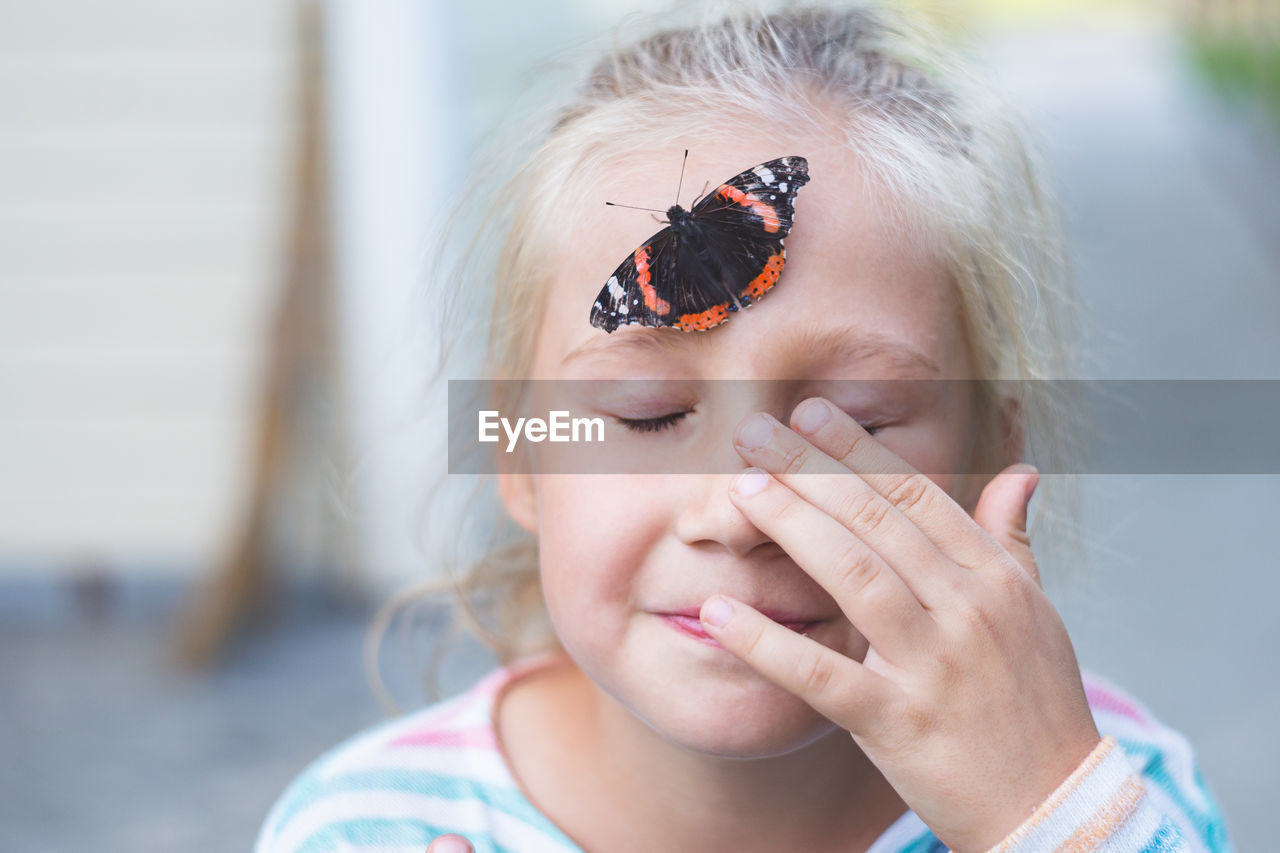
[[783, 186], [615, 289], [764, 174]]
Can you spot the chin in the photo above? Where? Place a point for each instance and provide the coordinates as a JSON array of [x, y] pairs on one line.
[[754, 724]]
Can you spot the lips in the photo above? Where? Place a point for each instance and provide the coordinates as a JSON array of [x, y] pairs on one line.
[[780, 616], [691, 626]]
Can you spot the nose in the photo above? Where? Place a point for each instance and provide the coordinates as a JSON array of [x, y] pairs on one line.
[[708, 514]]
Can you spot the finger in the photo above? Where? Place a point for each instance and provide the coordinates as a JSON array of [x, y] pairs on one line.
[[1002, 512], [841, 689], [943, 521], [450, 844], [864, 587], [851, 500]]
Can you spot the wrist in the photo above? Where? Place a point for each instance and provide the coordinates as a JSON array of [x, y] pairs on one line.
[[1073, 794]]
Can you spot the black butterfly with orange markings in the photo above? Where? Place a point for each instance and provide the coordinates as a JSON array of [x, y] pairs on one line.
[[722, 254]]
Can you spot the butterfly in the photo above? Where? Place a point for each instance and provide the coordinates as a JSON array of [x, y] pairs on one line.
[[722, 254]]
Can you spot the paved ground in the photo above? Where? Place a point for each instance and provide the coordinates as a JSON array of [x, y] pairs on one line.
[[109, 747], [1173, 211]]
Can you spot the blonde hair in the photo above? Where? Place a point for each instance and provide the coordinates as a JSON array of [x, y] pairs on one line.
[[935, 139]]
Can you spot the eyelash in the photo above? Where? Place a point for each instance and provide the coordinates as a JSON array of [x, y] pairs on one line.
[[652, 424], [668, 421]]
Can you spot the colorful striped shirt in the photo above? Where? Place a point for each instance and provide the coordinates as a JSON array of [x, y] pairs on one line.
[[440, 769]]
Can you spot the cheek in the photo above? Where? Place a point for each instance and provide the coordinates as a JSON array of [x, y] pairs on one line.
[[942, 444], [933, 449], [594, 536]]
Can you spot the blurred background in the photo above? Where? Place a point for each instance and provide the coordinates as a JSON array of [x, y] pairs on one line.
[[213, 218]]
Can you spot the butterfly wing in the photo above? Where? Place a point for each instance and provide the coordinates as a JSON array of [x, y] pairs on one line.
[[744, 221], [638, 290], [760, 199]]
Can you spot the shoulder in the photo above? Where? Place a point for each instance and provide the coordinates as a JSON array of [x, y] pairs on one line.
[[406, 781], [1163, 758]]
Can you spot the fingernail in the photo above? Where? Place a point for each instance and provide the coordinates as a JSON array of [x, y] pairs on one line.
[[751, 481], [756, 432], [1031, 482], [1031, 485], [450, 844], [716, 611], [812, 415]]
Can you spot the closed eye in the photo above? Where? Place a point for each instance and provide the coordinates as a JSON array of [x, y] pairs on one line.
[[652, 424], [658, 424]]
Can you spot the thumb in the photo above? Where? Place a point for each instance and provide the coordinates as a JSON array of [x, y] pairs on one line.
[[1002, 512]]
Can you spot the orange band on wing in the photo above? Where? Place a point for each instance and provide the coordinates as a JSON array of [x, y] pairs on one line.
[[651, 299], [713, 316], [768, 276], [753, 204]]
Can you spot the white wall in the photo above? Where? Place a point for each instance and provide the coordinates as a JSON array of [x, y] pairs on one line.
[[143, 189]]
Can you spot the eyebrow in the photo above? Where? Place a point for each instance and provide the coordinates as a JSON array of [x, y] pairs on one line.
[[839, 344]]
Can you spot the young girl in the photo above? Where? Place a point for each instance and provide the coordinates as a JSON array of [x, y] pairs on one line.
[[772, 660]]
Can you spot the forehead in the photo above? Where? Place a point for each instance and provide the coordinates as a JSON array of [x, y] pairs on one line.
[[856, 285]]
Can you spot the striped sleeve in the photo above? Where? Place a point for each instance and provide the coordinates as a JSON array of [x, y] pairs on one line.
[[1138, 791], [406, 782]]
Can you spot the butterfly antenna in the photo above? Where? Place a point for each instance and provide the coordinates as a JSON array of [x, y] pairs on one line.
[[680, 185], [633, 207]]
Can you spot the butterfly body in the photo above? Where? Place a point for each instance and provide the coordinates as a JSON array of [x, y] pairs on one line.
[[722, 254], [691, 243]]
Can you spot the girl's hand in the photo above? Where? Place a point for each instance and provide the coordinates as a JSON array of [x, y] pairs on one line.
[[450, 844], [969, 700]]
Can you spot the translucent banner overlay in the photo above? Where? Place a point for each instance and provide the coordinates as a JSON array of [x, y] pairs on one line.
[[938, 427]]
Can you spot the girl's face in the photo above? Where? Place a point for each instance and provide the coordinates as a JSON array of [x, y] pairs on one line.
[[620, 550]]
